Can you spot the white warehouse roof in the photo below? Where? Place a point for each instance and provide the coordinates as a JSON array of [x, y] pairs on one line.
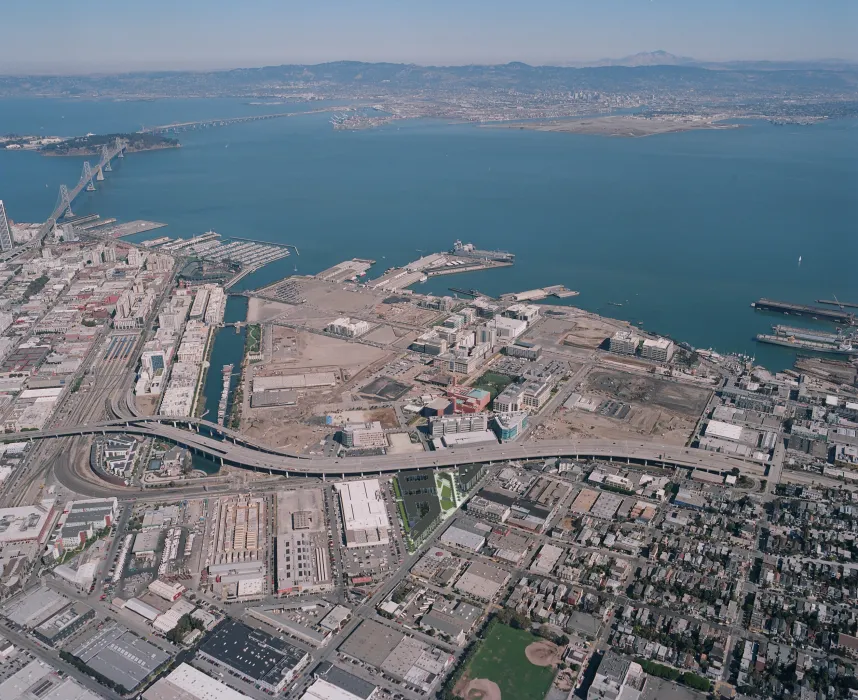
[[727, 431]]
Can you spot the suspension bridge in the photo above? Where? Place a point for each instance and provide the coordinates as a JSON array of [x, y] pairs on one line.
[[89, 176]]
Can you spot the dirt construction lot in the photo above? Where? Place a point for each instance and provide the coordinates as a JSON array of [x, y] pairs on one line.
[[660, 409], [673, 396]]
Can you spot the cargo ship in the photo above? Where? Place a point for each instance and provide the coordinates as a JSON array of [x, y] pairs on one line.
[[467, 250], [844, 347]]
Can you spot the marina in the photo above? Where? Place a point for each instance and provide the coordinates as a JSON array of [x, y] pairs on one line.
[[224, 396], [815, 312]]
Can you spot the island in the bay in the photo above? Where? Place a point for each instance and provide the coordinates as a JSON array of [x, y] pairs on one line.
[[89, 145]]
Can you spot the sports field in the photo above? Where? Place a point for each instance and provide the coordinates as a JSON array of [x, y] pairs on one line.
[[501, 660], [493, 383]]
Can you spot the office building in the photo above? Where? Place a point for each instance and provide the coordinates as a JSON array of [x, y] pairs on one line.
[[508, 328], [509, 426], [624, 342], [364, 435], [660, 349], [347, 328], [464, 423], [527, 351]]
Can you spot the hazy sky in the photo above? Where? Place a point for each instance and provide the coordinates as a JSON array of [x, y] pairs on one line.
[[116, 35]]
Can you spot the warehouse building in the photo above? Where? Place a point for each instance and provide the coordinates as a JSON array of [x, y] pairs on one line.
[[303, 558], [167, 591], [121, 656], [26, 524], [333, 683], [39, 680], [364, 513], [187, 683], [482, 581], [253, 655]]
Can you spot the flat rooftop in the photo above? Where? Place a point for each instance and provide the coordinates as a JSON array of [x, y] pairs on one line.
[[188, 683], [253, 653], [121, 656]]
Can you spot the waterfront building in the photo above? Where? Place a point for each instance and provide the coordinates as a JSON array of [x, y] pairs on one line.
[[660, 349], [624, 342]]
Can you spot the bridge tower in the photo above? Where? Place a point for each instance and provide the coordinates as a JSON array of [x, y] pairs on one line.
[[87, 177], [105, 158], [64, 202], [120, 147], [99, 175], [5, 230]]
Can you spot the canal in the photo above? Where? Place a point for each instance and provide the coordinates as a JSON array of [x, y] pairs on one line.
[[227, 348]]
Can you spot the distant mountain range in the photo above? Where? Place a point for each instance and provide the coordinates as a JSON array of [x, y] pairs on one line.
[[663, 58], [650, 74]]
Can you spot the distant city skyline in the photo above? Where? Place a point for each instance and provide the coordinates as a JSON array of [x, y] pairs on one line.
[[97, 36]]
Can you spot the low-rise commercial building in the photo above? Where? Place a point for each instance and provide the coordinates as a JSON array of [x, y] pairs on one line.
[[253, 655], [364, 514], [188, 683]]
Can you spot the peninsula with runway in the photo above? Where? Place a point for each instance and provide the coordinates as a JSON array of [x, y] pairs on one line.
[[623, 126]]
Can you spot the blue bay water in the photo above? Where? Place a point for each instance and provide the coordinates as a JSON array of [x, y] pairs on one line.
[[685, 230]]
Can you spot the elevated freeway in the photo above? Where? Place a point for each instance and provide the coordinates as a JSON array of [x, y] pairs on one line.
[[242, 453]]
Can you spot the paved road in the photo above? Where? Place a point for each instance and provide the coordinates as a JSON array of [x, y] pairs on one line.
[[637, 451]]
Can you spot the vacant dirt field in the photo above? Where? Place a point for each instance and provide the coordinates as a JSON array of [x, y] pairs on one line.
[[646, 421], [634, 388], [261, 310]]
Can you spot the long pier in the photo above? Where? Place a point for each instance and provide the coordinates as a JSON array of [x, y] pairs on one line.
[[841, 304], [208, 123], [803, 310]]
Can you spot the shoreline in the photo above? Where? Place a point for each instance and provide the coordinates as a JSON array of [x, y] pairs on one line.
[[84, 153], [617, 126]]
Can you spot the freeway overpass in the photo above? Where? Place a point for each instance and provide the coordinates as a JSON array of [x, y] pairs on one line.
[[243, 453]]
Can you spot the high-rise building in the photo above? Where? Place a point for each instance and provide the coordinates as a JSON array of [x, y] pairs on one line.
[[5, 230]]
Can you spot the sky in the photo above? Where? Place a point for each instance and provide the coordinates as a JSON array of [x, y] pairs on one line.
[[56, 36]]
